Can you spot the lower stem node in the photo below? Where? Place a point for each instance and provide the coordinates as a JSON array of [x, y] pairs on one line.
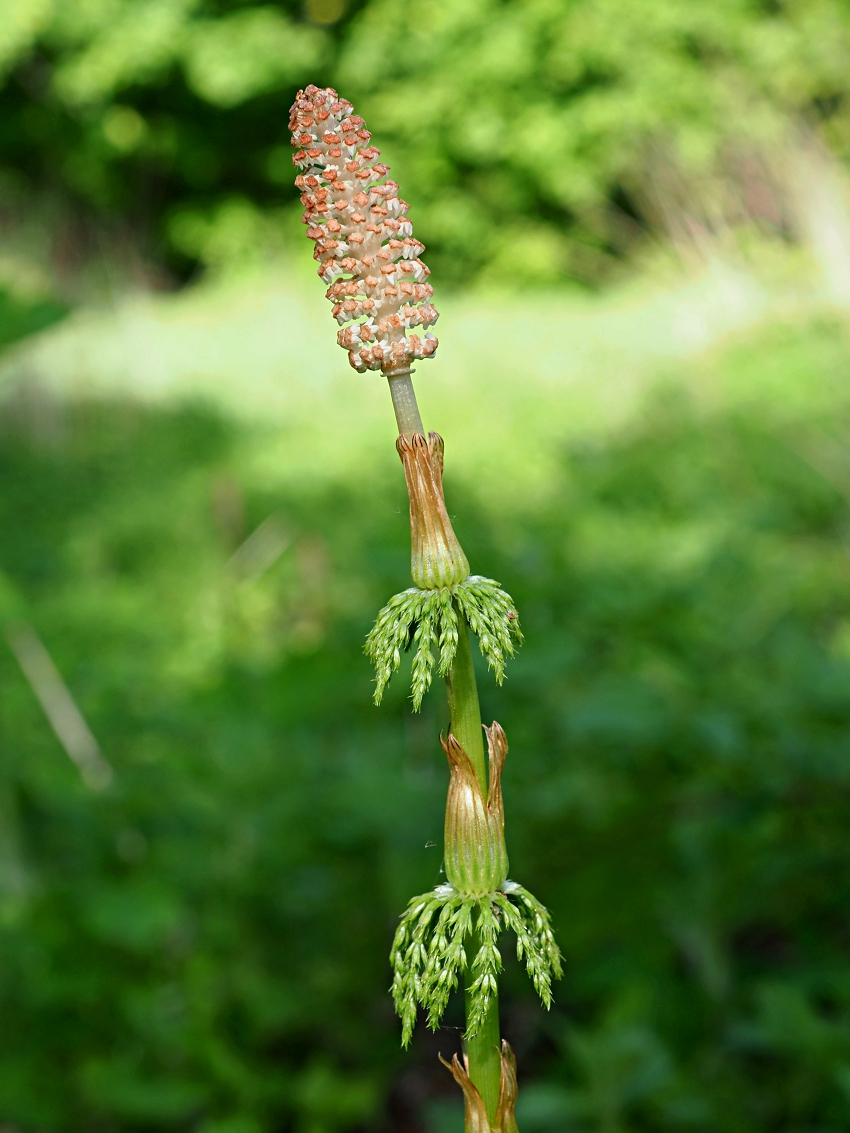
[[482, 1051]]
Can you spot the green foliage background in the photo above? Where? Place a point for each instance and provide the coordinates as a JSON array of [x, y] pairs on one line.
[[203, 945], [533, 130]]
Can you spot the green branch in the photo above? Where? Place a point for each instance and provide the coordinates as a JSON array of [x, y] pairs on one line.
[[428, 620]]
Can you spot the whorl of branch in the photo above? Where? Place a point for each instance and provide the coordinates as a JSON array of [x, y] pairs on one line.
[[364, 242]]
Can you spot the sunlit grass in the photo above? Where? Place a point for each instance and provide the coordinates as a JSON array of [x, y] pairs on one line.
[[515, 377]]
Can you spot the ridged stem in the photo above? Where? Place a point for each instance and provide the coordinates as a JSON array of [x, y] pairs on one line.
[[485, 1067], [404, 403], [463, 705]]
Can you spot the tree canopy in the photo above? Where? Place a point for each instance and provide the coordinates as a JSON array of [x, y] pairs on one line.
[[529, 135]]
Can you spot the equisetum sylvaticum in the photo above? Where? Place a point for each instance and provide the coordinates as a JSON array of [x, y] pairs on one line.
[[378, 285]]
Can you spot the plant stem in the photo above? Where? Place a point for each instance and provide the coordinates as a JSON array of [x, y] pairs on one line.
[[485, 1065], [406, 408], [463, 704], [482, 1051]]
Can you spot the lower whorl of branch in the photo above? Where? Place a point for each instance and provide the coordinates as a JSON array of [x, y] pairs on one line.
[[428, 951]]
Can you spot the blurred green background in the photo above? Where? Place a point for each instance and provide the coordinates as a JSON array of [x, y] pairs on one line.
[[638, 221]]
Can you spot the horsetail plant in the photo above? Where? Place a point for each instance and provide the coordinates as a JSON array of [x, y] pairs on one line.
[[369, 258]]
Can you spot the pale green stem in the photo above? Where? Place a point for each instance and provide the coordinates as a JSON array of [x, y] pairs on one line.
[[404, 403], [485, 1065]]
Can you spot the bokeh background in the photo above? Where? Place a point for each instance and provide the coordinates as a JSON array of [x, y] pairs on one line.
[[638, 223]]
